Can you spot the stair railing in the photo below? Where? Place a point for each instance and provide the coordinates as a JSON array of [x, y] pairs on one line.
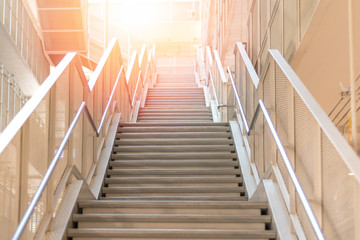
[[299, 144], [80, 146], [281, 149]]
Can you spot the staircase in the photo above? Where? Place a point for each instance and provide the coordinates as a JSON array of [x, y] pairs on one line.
[[173, 175], [175, 97]]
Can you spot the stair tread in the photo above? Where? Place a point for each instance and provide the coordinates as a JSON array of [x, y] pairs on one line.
[[173, 233], [172, 124], [142, 163], [174, 155], [173, 134], [176, 189], [177, 198], [178, 171], [174, 180], [172, 218], [172, 148], [172, 204], [175, 141], [175, 129]]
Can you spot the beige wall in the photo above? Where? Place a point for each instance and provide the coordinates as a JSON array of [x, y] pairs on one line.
[[322, 60], [312, 36]]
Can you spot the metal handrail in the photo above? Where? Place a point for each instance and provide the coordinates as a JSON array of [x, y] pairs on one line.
[[315, 225], [254, 77], [58, 153]]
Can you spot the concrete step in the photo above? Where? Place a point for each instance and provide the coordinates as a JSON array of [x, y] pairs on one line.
[[171, 233], [173, 180], [174, 218], [172, 207], [175, 94], [172, 110], [179, 124], [176, 75], [166, 107], [176, 89], [178, 171], [178, 106], [174, 141], [177, 198], [174, 155], [173, 163], [175, 114], [170, 121], [174, 148], [175, 101], [173, 204], [176, 84], [174, 118], [188, 134], [193, 129], [177, 80], [172, 190], [170, 221], [172, 98]]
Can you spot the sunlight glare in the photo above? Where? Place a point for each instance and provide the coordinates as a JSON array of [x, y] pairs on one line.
[[137, 12]]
